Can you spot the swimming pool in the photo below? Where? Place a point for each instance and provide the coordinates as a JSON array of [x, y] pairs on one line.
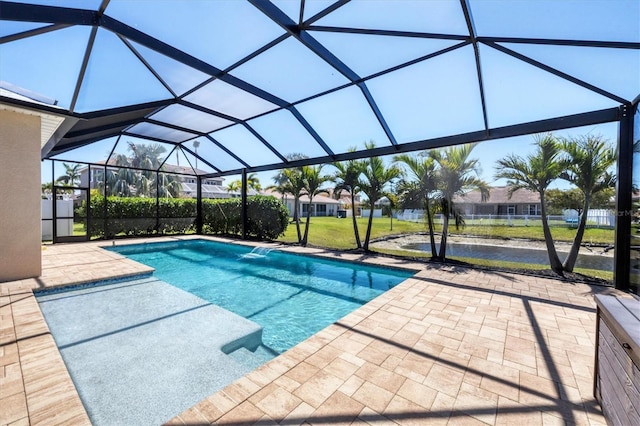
[[144, 349], [291, 296]]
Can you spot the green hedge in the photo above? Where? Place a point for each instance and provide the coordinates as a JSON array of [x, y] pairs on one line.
[[267, 216]]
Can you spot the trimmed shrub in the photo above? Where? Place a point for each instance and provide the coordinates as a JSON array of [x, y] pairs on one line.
[[267, 217]]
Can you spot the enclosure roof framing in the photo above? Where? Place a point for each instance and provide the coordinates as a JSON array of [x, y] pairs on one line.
[[249, 85]]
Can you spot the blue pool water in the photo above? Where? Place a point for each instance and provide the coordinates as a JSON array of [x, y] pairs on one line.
[[291, 296]]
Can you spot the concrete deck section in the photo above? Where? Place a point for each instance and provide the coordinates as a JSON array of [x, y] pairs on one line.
[[143, 350], [451, 345]]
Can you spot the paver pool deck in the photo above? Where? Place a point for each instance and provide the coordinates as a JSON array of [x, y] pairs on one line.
[[451, 345]]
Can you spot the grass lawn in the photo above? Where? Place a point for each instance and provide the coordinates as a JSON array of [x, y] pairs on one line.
[[79, 228], [337, 234]]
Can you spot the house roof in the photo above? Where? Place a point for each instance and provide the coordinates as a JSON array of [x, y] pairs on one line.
[[50, 123], [192, 188], [169, 168], [500, 195], [318, 199], [282, 77]]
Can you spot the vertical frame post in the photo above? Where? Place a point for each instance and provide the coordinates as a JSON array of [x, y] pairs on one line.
[[623, 200], [157, 201], [54, 211], [243, 214], [88, 209], [106, 200], [199, 205]]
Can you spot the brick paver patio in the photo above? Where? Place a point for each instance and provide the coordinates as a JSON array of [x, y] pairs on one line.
[[449, 346]]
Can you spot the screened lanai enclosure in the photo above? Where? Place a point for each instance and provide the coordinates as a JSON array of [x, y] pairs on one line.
[[210, 89]]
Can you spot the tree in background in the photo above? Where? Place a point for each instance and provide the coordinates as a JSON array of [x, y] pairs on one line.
[[234, 186], [420, 186], [535, 173], [456, 175], [289, 181], [573, 199], [168, 186], [295, 185], [146, 156], [312, 181], [253, 182], [586, 164], [135, 174], [376, 178], [559, 200], [71, 175], [347, 178]]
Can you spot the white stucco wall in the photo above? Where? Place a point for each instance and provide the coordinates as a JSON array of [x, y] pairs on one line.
[[20, 248]]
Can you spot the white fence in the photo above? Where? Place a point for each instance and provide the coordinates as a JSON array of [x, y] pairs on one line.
[[64, 227], [598, 218], [376, 212]]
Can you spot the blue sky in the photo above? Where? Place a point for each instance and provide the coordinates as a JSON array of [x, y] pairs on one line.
[[428, 99], [491, 151]]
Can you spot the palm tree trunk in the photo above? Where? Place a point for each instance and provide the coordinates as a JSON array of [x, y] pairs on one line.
[[296, 218], [355, 222], [445, 234], [572, 257], [306, 225], [368, 235], [432, 238], [554, 260]]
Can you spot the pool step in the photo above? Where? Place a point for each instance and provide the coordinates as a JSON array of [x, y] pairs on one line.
[[252, 360], [60, 292]]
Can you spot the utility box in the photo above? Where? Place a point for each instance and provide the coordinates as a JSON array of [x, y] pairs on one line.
[[617, 372]]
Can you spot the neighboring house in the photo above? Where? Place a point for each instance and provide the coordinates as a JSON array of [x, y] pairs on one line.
[[382, 202], [344, 198], [321, 205], [522, 202], [345, 201], [211, 187]]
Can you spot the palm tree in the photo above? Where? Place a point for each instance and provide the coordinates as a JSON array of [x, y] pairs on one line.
[[312, 180], [146, 156], [295, 186], [587, 163], [455, 176], [119, 182], [289, 181], [280, 186], [145, 183], [196, 144], [423, 170], [376, 177], [169, 186], [253, 182], [234, 186], [71, 175], [535, 173], [347, 178]]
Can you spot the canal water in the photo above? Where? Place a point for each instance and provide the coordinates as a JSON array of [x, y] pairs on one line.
[[517, 254]]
